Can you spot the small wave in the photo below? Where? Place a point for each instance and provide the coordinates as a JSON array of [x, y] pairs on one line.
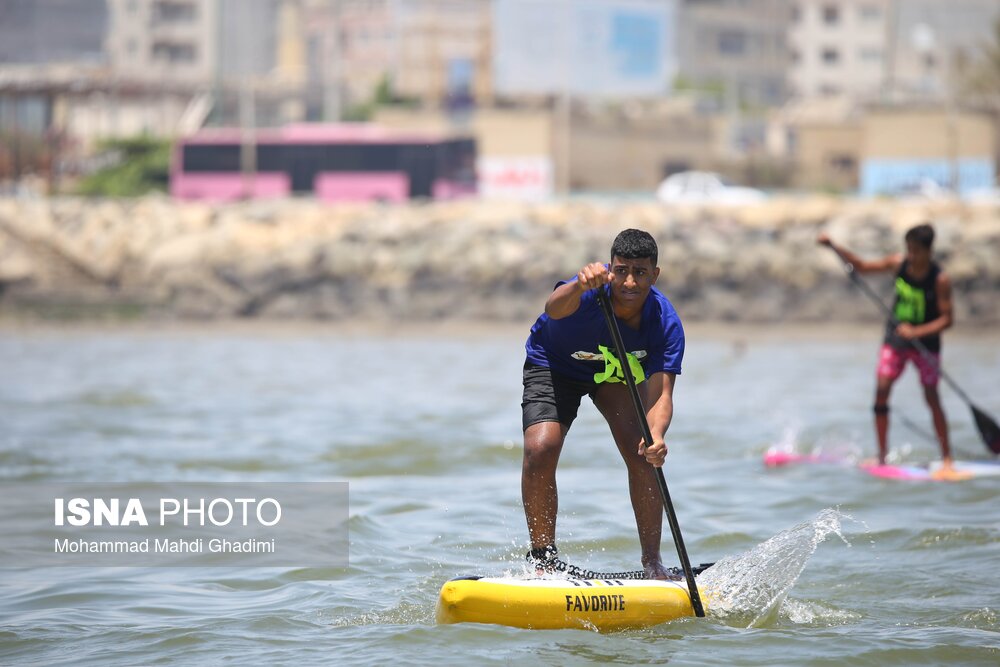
[[724, 540], [235, 465], [404, 613], [753, 585], [416, 457], [982, 619], [115, 399], [810, 612], [952, 538]]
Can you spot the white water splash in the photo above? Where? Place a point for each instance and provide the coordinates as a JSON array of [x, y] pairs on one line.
[[754, 584]]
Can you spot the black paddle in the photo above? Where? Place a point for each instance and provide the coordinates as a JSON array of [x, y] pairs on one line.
[[988, 428], [675, 529]]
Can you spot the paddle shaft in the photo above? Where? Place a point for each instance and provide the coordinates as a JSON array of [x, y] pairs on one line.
[[661, 481]]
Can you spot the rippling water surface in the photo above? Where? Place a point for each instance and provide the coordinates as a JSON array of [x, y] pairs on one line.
[[425, 427]]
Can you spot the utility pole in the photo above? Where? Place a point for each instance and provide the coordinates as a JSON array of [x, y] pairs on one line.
[[889, 73], [248, 121], [332, 69], [218, 105]]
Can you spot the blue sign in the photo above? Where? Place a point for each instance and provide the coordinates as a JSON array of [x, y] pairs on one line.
[[599, 48], [635, 40], [900, 176]]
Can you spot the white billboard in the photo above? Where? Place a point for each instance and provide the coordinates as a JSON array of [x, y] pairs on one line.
[[601, 48], [521, 178]]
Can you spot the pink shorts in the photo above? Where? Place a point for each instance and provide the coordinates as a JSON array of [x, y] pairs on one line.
[[892, 361]]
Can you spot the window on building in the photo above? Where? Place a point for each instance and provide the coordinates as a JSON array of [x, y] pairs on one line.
[[842, 162], [830, 56], [174, 12], [831, 14], [870, 55], [796, 14], [829, 89], [870, 12], [173, 53], [732, 42], [795, 56]]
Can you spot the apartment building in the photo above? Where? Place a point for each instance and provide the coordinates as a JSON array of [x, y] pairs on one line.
[[739, 46], [429, 50], [171, 40], [351, 48], [884, 49], [437, 50], [52, 31], [931, 39], [838, 47]]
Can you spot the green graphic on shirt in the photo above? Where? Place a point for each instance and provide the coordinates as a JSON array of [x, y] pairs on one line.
[[911, 304], [613, 368]]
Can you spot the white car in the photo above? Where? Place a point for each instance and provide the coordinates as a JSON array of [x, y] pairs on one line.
[[704, 187], [983, 196]]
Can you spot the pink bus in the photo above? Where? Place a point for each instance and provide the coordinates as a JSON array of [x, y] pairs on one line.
[[342, 162]]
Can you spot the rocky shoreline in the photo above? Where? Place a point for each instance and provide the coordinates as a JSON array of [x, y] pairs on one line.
[[474, 261]]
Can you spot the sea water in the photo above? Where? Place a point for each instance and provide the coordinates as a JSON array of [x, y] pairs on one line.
[[816, 565]]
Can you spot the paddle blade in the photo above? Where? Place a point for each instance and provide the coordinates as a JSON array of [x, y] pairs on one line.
[[988, 429]]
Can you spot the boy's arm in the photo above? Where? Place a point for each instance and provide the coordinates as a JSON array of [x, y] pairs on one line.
[[565, 299], [659, 415], [887, 263]]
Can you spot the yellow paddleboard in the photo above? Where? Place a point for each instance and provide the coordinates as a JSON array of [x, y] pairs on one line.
[[549, 604]]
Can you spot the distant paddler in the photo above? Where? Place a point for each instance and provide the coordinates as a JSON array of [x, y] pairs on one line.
[[920, 312], [570, 354]]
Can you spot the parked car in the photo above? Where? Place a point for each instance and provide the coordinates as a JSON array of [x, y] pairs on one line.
[[983, 196], [926, 189], [704, 187]]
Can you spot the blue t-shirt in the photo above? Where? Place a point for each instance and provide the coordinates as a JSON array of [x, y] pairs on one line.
[[580, 346]]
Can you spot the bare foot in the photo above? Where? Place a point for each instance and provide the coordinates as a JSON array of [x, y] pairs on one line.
[[947, 473], [657, 571]]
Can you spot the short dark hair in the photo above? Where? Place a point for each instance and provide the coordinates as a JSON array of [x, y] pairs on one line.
[[922, 235], [634, 244]]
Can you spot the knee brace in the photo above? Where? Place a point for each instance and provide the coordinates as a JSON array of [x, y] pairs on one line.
[[882, 409]]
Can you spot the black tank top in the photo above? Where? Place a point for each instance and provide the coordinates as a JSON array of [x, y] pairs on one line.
[[916, 302]]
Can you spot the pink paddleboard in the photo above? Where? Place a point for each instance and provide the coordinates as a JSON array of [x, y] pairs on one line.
[[963, 470]]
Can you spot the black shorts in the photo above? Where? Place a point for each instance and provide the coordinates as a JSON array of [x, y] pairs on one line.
[[550, 397]]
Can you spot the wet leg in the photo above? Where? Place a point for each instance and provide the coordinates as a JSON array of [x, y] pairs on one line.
[[882, 390], [940, 421], [543, 443]]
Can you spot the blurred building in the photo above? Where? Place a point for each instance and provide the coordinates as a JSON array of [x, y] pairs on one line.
[[171, 40], [52, 31], [221, 50], [603, 94], [932, 40], [838, 47], [922, 150], [884, 49], [433, 52], [737, 46], [836, 144], [443, 51], [821, 139]]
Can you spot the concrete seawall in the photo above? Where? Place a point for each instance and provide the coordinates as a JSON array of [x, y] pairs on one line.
[[471, 260]]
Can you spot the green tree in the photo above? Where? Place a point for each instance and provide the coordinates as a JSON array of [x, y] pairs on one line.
[[143, 167]]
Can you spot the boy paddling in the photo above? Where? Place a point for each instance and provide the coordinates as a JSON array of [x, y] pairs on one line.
[[922, 311], [569, 356]]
